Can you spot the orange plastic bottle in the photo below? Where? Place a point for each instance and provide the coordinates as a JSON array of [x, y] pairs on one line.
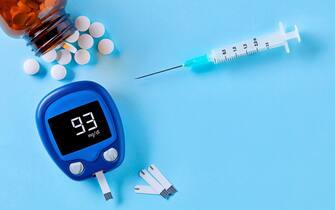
[[43, 23]]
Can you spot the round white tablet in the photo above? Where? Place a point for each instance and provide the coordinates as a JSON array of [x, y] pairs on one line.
[[50, 56], [106, 46], [58, 72], [64, 57], [97, 29], [31, 66], [82, 23], [73, 38], [82, 57], [85, 41]]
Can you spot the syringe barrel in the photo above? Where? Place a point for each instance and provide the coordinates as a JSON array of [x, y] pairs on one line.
[[254, 45], [248, 47]]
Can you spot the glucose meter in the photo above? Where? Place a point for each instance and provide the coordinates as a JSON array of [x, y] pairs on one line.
[[81, 129]]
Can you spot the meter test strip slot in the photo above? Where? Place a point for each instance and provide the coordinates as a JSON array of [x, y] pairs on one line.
[[81, 129]]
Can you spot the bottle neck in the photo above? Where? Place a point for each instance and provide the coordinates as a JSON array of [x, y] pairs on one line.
[[51, 31]]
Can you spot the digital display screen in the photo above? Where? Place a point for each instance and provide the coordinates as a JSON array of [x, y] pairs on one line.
[[80, 128]]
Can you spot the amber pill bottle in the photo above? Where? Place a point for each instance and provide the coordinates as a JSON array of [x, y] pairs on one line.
[[43, 23]]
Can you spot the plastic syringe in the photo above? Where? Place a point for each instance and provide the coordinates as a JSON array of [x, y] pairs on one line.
[[248, 47]]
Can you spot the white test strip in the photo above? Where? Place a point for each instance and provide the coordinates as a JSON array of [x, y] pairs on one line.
[[144, 189], [153, 183], [161, 179], [104, 185]]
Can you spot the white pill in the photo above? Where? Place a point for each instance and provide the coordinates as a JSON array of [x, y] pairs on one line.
[[106, 46], [64, 57], [58, 72], [85, 41], [97, 29], [31, 66], [73, 38], [82, 57], [50, 56], [82, 23]]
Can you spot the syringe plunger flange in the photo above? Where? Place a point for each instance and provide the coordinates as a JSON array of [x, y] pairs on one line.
[[289, 35]]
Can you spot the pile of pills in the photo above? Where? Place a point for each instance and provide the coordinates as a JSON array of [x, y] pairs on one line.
[[77, 45], [21, 14]]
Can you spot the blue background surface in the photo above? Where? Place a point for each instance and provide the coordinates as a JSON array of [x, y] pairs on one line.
[[254, 134]]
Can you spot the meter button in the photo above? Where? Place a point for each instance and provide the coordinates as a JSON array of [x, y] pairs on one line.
[[110, 155], [76, 168]]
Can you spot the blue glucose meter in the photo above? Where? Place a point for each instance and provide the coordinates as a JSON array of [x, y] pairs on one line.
[[81, 129]]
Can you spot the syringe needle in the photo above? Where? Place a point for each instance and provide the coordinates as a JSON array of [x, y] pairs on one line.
[[158, 72]]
